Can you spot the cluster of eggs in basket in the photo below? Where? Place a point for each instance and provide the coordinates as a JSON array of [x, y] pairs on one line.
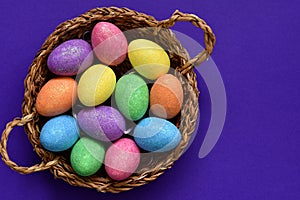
[[98, 134]]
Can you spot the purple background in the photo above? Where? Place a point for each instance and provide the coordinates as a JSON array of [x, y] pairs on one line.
[[257, 156]]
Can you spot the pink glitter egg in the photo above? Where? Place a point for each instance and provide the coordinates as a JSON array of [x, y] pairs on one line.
[[109, 43], [122, 159]]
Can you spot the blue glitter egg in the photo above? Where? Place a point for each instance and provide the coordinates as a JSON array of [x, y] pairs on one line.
[[156, 134], [59, 133]]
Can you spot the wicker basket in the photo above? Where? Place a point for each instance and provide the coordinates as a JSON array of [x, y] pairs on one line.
[[38, 75]]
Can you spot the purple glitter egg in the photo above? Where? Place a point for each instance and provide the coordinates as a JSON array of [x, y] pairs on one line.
[[70, 58], [102, 123]]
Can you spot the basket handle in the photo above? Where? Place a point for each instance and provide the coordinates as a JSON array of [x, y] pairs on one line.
[[209, 36], [3, 148]]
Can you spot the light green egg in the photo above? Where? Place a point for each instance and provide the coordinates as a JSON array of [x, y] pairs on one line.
[[148, 58], [87, 156], [132, 96]]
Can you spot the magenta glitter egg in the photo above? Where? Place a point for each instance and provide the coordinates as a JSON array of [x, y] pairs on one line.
[[109, 43], [122, 159]]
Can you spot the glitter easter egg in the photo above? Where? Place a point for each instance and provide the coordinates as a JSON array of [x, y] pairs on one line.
[[166, 96], [132, 96], [122, 159], [96, 85], [156, 134], [56, 96], [109, 43], [87, 156], [148, 58], [59, 133], [102, 122], [70, 57]]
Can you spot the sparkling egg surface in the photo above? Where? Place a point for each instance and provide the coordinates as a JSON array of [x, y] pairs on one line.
[[87, 156], [132, 96], [96, 85], [156, 134], [56, 96], [122, 159], [70, 57], [148, 58], [59, 133], [109, 43], [166, 96], [102, 122]]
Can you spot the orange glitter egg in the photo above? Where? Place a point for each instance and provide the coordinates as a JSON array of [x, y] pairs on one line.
[[56, 96], [166, 96]]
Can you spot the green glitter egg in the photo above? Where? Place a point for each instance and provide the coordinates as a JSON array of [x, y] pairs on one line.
[[132, 96], [87, 156]]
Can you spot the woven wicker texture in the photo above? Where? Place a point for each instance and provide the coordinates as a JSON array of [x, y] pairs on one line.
[[152, 165]]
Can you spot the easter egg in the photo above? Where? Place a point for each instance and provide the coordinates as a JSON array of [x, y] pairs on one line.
[[132, 96], [156, 134], [148, 58], [87, 156], [70, 57], [59, 133], [166, 96], [102, 122], [56, 96], [109, 43], [96, 85], [122, 159]]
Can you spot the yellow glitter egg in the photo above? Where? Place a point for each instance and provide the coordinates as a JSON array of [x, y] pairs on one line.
[[148, 58], [96, 85]]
